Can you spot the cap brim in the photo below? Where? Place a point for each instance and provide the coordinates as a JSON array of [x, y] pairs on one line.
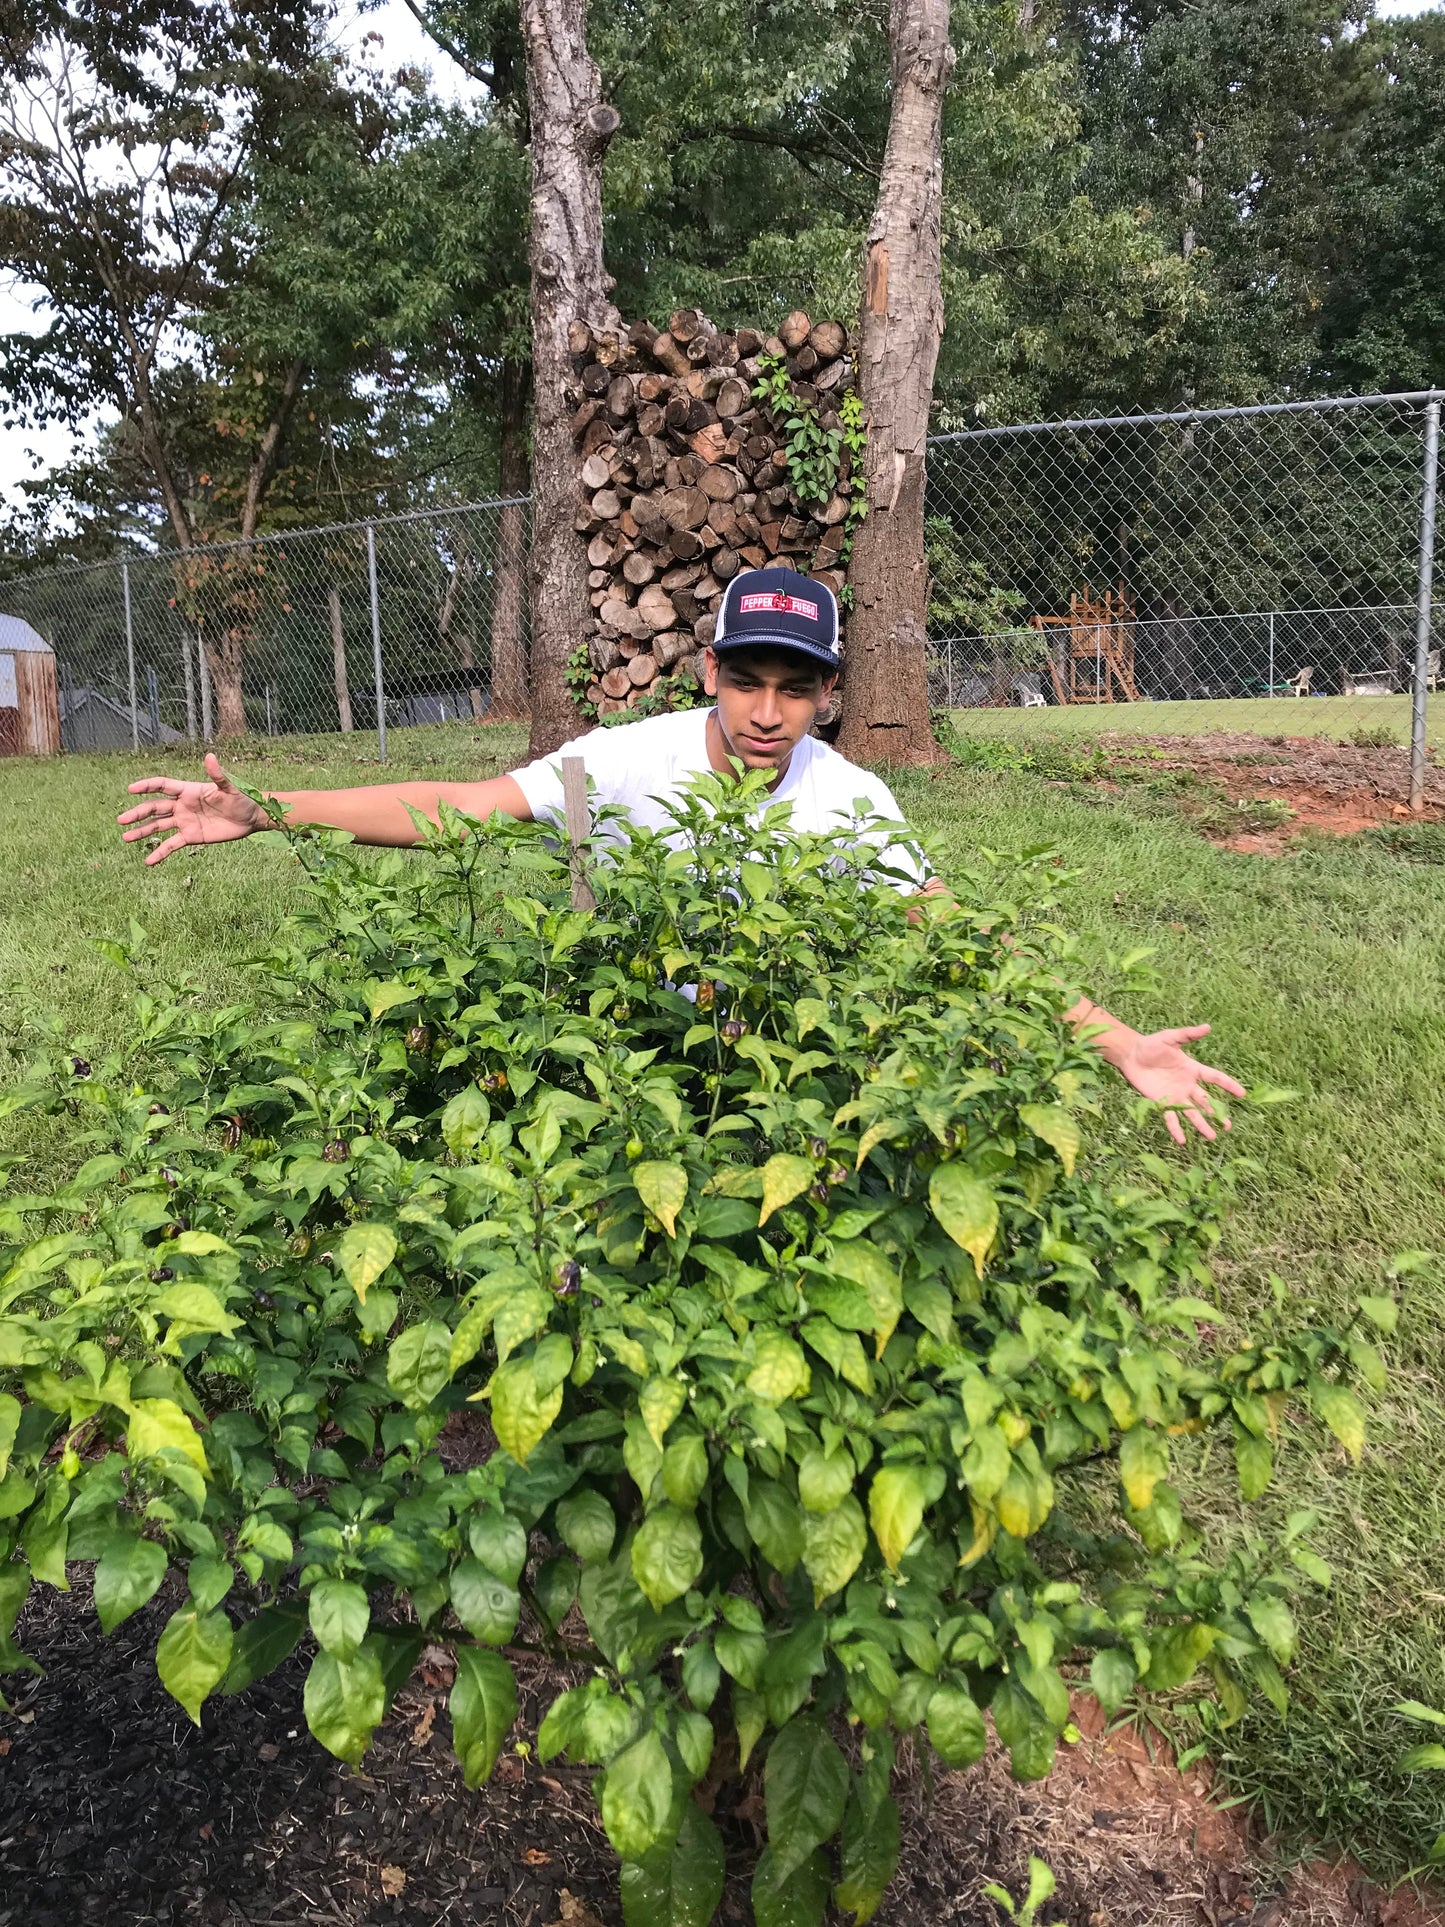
[[770, 639]]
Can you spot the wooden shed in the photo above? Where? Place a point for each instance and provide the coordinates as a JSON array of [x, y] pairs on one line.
[[29, 699]]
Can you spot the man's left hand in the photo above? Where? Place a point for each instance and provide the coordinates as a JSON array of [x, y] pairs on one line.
[[1158, 1066]]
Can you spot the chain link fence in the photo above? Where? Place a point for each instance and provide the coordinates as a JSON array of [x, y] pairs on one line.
[[1259, 568], [1264, 569], [413, 619]]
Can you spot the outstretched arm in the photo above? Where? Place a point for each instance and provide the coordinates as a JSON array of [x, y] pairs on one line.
[[216, 811], [1155, 1063]]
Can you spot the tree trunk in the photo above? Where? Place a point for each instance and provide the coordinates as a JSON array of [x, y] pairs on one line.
[[885, 712], [509, 636], [571, 126], [225, 659], [338, 660]]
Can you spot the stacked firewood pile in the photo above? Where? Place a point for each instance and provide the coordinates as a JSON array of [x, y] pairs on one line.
[[685, 482]]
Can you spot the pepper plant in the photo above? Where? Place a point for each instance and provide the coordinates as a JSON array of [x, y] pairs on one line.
[[838, 1360]]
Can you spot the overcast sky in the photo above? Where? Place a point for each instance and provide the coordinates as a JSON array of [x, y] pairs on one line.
[[27, 452]]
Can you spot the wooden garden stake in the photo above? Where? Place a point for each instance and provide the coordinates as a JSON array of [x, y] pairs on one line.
[[579, 826]]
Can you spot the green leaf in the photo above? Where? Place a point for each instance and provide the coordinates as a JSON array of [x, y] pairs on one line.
[[387, 996], [192, 1655], [210, 1579], [825, 1478], [419, 1363], [1112, 1676], [1272, 1620], [1255, 1461], [587, 1525], [500, 1541], [521, 1417], [667, 1555], [637, 1797], [1143, 1462], [465, 1120], [741, 1654], [340, 1613], [805, 1783], [9, 1426], [775, 1523], [487, 1605], [896, 1500], [483, 1705], [1429, 1758], [681, 1888], [869, 1848], [663, 1189], [955, 1727], [158, 1425], [693, 1736], [555, 1587], [784, 1178], [1414, 1710], [1340, 1410], [966, 1208], [833, 1547], [795, 1900], [126, 1575], [1383, 1314], [363, 1252], [261, 1644], [1057, 1128], [701, 1674], [345, 1702], [685, 1469], [660, 1401], [864, 1265]]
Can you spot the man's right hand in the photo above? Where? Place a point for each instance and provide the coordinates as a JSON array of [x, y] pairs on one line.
[[187, 813]]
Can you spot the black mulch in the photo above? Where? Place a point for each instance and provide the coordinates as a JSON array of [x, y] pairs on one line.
[[114, 1809]]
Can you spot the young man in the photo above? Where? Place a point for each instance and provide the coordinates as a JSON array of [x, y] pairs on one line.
[[770, 670]]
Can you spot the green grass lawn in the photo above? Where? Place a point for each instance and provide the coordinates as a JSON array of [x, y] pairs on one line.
[[1324, 972], [1335, 716]]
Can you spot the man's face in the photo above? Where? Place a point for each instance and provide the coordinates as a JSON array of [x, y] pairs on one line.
[[767, 701]]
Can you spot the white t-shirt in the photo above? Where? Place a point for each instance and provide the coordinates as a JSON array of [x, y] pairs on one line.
[[645, 766]]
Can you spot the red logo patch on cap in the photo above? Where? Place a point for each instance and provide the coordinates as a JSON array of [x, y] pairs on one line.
[[791, 605]]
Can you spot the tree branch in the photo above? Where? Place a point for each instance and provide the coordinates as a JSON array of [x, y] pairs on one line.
[[449, 46]]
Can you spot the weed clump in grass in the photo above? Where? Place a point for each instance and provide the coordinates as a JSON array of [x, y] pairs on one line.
[[1048, 759], [1377, 738], [1415, 842]]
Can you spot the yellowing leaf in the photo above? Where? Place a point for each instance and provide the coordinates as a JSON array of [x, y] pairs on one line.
[[1143, 1462], [363, 1253], [1340, 1410], [780, 1371], [833, 1546], [155, 1424], [895, 1509], [985, 1531], [784, 1178], [1057, 1127], [863, 1264], [663, 1189], [966, 1208], [386, 997], [808, 1014], [875, 1135], [521, 1418], [661, 1400]]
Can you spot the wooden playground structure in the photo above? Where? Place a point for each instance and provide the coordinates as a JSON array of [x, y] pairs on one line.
[[1091, 649]]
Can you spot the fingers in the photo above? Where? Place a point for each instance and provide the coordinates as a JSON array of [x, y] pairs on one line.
[[1182, 1034], [1201, 1124], [1225, 1083], [159, 828], [163, 850], [167, 785], [1173, 1126], [159, 807], [217, 775]]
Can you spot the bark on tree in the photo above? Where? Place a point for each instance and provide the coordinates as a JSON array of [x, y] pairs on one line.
[[571, 125], [885, 709], [338, 661], [509, 601]]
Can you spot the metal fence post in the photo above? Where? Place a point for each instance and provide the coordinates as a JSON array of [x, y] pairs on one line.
[[153, 702], [190, 686], [130, 658], [207, 713], [376, 641], [1269, 686], [1424, 586]]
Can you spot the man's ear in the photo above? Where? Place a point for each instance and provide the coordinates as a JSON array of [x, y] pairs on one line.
[[709, 671]]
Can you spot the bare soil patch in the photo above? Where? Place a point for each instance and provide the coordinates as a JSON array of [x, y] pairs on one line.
[[1335, 789], [114, 1808]]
